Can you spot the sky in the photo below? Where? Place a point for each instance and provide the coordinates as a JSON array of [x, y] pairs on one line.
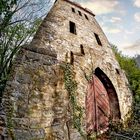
[[120, 20]]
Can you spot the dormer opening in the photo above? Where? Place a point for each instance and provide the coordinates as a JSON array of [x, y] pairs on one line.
[[86, 17], [80, 13], [73, 10]]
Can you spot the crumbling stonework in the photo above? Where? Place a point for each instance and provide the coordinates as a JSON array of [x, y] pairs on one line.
[[36, 103]]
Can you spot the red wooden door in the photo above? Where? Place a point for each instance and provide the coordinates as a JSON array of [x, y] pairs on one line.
[[97, 106]]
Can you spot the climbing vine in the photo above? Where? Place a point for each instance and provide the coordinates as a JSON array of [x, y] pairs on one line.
[[71, 87]]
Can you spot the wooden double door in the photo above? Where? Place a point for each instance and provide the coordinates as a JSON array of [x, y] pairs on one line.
[[97, 107]]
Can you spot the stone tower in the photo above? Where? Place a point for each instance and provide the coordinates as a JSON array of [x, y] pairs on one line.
[[67, 83]]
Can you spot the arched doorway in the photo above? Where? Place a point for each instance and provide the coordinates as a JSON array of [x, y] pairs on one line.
[[101, 103]]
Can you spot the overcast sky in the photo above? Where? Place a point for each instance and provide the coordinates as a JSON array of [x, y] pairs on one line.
[[120, 20]]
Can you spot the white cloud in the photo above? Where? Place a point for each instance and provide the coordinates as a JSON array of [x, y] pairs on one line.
[[115, 19], [111, 30], [132, 48], [101, 6], [135, 45], [137, 3], [137, 17], [137, 28], [129, 32]]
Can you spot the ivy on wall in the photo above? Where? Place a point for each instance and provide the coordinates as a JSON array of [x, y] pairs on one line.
[[71, 87]]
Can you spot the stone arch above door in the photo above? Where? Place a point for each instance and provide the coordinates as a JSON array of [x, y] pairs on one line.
[[101, 103], [114, 102]]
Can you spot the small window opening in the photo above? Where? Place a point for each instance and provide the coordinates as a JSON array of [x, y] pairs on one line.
[[86, 17], [80, 13], [72, 27], [82, 50], [98, 39], [73, 10], [118, 72], [71, 58]]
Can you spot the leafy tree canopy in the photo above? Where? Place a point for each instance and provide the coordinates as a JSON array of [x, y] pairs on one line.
[[19, 20]]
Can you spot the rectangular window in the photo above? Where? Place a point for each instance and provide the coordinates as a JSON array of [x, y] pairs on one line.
[[72, 27], [86, 17], [80, 13], [98, 39], [73, 10]]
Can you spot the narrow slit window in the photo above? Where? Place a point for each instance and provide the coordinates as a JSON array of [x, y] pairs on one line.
[[71, 58], [118, 72], [98, 39], [82, 50], [73, 10], [80, 13], [72, 27], [86, 17]]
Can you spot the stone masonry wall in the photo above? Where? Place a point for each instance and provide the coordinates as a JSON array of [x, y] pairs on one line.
[[36, 103]]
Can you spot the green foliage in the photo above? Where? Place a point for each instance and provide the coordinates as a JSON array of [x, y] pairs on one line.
[[6, 12], [133, 74], [13, 38], [71, 87], [117, 132], [15, 31]]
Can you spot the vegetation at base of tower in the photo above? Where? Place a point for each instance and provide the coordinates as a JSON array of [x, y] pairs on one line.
[[19, 21], [132, 72], [71, 87]]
